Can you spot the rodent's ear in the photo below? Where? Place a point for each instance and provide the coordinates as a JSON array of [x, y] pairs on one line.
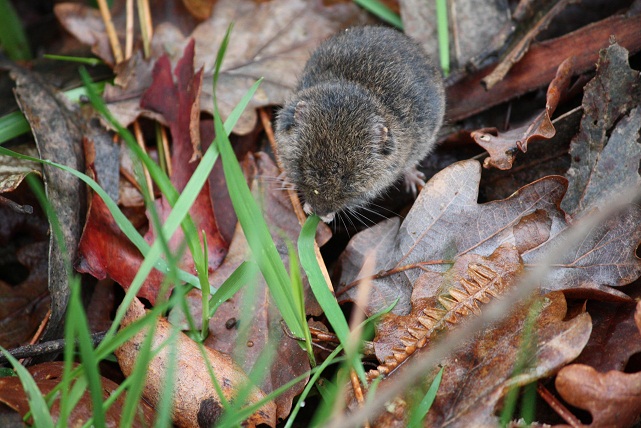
[[382, 139], [300, 112], [286, 118]]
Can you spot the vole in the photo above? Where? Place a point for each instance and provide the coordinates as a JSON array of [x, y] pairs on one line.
[[366, 110]]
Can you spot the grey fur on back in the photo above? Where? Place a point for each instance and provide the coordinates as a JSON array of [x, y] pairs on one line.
[[366, 111]]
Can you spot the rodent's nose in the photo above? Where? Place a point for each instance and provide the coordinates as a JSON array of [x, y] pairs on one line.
[[326, 217]]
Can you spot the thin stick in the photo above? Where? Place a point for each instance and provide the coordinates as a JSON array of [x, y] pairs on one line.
[[141, 142], [111, 31], [558, 407], [129, 31]]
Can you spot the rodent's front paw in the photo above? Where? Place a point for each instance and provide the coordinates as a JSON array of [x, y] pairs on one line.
[[414, 180]]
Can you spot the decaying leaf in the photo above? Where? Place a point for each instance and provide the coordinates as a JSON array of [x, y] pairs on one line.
[[49, 375], [442, 301], [446, 222], [605, 258], [195, 401], [58, 129], [481, 372], [473, 26], [271, 40], [104, 251], [613, 398], [86, 24], [502, 146], [616, 332], [183, 116], [605, 153], [523, 38], [98, 259], [13, 170]]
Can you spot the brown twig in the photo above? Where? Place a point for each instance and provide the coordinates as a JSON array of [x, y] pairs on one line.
[[111, 31], [141, 142], [558, 407], [22, 209], [398, 269], [50, 347]]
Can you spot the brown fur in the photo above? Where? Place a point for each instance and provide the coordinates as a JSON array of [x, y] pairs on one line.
[[366, 111]]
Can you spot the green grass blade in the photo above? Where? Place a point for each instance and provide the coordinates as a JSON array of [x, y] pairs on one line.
[[81, 60], [13, 125], [244, 273], [250, 216], [382, 11], [316, 279], [37, 403], [418, 413], [258, 237], [442, 26], [12, 35]]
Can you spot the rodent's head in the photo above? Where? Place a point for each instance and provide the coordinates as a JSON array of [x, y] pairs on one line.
[[336, 147]]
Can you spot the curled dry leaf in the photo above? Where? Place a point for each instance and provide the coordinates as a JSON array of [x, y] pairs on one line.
[[502, 146], [613, 398], [482, 371], [442, 301], [195, 401], [271, 40], [49, 375], [605, 153], [13, 171], [58, 129]]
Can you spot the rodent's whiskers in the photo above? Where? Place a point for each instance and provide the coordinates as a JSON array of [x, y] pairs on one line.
[[376, 213], [281, 179], [394, 213]]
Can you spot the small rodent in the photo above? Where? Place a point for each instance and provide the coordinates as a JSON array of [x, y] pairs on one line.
[[366, 110]]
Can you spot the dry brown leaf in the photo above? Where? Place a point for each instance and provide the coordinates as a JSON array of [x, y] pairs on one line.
[[48, 376], [86, 24], [13, 171], [605, 153], [58, 129], [446, 222], [613, 398], [480, 373], [442, 301], [614, 330], [195, 401], [271, 40], [502, 146]]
